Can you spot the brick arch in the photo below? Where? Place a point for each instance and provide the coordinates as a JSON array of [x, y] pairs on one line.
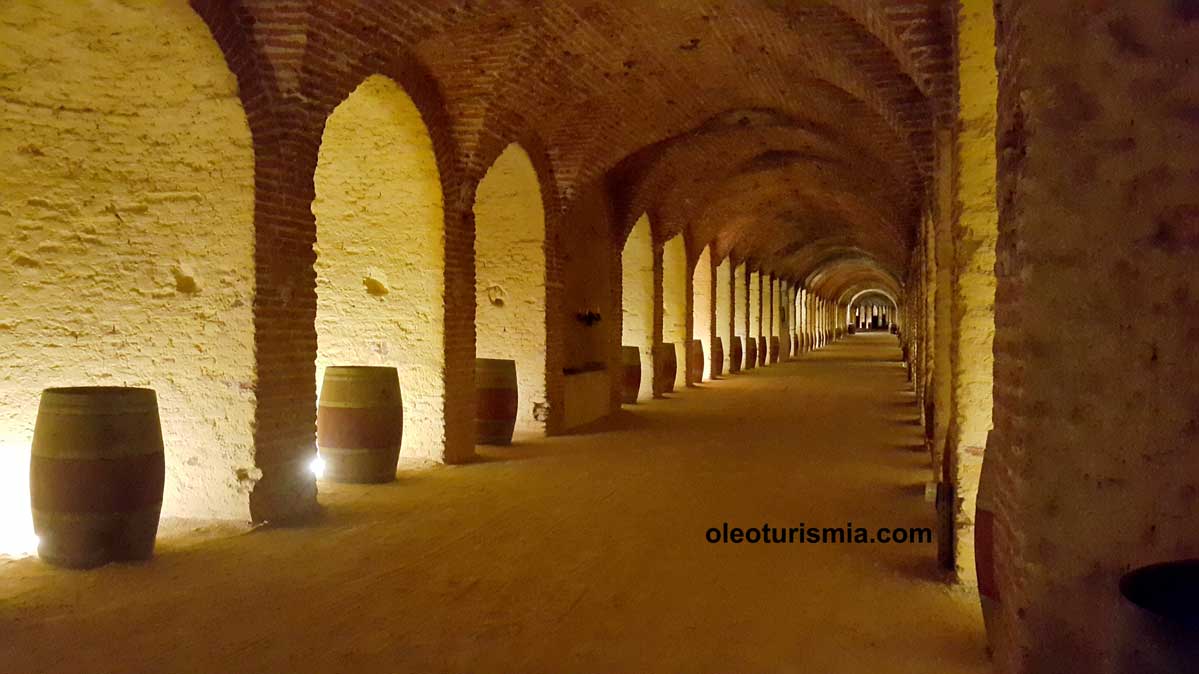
[[323, 88], [676, 177], [765, 210], [808, 58], [711, 166], [818, 107], [914, 33], [327, 90], [835, 278], [807, 259], [281, 207]]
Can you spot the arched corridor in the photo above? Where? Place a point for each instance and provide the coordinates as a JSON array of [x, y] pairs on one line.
[[591, 277], [604, 581]]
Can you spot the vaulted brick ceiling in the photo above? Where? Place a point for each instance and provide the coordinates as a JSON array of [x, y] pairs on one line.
[[793, 133]]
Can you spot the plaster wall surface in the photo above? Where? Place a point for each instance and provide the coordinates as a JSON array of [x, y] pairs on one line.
[[771, 300], [701, 306], [741, 303], [126, 236], [724, 306], [1094, 452], [801, 311], [928, 300], [380, 260], [637, 299], [674, 303], [510, 277], [755, 306], [975, 231], [942, 251]]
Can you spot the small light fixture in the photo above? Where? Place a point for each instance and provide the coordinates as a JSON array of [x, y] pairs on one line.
[[317, 466]]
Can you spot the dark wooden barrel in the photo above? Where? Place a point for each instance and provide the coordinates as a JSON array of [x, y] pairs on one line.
[[987, 551], [695, 361], [852, 328], [1169, 590], [735, 355], [630, 368], [495, 401], [763, 351], [751, 353], [96, 475], [795, 344], [717, 358], [944, 530], [360, 423], [666, 368], [776, 348]]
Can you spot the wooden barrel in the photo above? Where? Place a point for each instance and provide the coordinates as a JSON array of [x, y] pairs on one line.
[[735, 355], [666, 368], [776, 348], [717, 358], [795, 345], [763, 351], [944, 530], [751, 353], [630, 367], [695, 361], [852, 328], [360, 423], [96, 475], [495, 401], [987, 550]]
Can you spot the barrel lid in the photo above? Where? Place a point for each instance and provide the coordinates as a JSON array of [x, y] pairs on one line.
[[494, 363], [100, 399]]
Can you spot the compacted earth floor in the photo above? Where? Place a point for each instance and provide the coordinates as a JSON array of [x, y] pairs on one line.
[[585, 553]]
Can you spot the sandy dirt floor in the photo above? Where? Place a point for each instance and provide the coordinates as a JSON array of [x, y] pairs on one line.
[[584, 553]]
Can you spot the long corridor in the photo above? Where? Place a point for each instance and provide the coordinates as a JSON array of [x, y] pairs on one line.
[[584, 553]]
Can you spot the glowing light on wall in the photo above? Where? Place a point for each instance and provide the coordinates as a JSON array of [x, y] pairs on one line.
[[637, 298], [317, 466], [701, 305], [380, 280], [130, 208], [674, 303], [16, 520], [510, 277]]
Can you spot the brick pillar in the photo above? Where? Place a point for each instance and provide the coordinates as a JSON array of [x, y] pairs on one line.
[[1093, 464]]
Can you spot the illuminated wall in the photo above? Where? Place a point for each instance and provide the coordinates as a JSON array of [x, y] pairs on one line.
[[976, 218], [771, 300], [380, 260], [674, 303], [701, 311], [637, 299], [755, 307], [724, 306], [510, 277], [741, 309], [127, 225]]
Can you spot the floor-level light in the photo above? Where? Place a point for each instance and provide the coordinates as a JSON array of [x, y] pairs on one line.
[[317, 466]]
